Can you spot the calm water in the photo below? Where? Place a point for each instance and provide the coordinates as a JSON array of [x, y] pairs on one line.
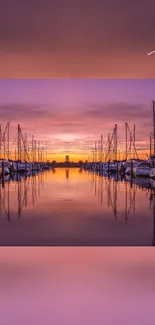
[[74, 207]]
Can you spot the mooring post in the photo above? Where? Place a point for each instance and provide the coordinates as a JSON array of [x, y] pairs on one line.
[[3, 174], [131, 182], [117, 167], [131, 168], [3, 169]]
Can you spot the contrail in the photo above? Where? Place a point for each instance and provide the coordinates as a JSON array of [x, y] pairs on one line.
[[151, 52]]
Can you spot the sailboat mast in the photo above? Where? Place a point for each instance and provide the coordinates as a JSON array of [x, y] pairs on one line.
[[154, 124]]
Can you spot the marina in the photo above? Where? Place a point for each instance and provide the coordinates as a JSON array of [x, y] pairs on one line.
[[84, 191], [18, 154]]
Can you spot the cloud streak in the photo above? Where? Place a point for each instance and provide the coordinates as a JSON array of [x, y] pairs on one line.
[[120, 110]]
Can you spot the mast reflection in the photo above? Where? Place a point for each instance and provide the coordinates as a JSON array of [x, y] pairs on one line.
[[18, 192]]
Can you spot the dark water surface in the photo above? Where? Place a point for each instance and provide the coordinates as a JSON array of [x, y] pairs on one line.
[[74, 207]]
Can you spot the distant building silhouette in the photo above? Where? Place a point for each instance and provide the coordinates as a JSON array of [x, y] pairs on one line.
[[67, 158]]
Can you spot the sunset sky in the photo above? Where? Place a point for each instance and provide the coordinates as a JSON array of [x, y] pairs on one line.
[[70, 39], [65, 40], [68, 115], [77, 39]]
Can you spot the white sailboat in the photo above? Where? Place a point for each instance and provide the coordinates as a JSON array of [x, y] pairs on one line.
[[114, 166], [20, 167], [127, 166], [6, 165], [144, 170]]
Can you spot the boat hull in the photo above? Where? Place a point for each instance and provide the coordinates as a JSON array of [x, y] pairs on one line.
[[145, 172]]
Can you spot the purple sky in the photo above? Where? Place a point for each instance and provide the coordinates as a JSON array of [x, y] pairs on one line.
[[77, 110]]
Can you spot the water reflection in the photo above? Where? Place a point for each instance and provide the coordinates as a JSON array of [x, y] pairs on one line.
[[73, 207], [119, 191], [67, 173], [110, 189], [19, 191]]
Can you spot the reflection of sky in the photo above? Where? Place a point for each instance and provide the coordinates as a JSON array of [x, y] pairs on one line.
[[77, 286], [66, 113], [82, 209]]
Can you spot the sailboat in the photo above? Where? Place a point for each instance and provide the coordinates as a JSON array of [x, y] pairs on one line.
[[144, 169], [6, 165]]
